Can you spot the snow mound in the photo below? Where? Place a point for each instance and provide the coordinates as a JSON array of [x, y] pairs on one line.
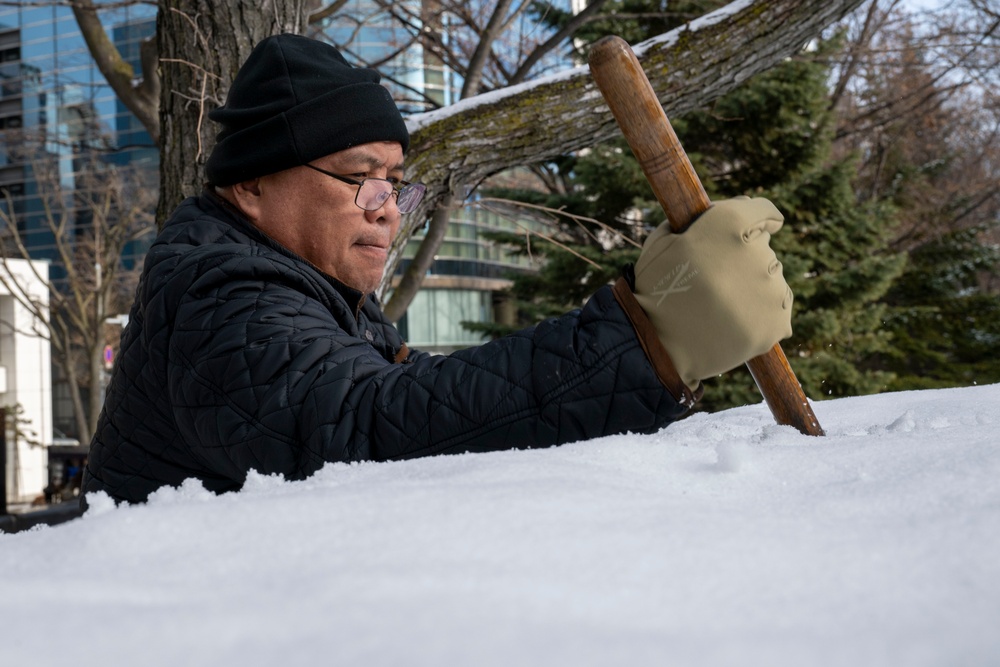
[[722, 540]]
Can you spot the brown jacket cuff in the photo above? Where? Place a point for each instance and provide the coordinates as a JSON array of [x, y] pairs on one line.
[[402, 355], [653, 348]]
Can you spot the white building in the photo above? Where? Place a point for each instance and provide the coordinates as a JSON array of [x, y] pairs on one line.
[[25, 377]]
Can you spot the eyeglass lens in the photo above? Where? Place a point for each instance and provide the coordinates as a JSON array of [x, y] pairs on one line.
[[409, 197], [374, 192]]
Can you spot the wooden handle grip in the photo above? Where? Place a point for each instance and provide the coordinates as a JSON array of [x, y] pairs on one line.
[[637, 110]]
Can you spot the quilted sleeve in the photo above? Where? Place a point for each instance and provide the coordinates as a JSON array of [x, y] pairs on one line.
[[263, 376], [571, 378]]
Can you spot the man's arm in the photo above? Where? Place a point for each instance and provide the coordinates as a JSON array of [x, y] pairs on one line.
[[264, 376]]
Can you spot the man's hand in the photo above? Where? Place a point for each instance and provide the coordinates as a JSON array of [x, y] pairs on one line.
[[715, 293]]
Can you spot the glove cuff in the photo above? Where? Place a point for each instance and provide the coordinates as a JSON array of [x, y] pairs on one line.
[[651, 345]]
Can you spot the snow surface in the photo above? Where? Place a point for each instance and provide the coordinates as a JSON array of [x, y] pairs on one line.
[[722, 540]]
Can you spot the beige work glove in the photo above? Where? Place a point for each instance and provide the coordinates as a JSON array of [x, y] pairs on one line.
[[715, 293]]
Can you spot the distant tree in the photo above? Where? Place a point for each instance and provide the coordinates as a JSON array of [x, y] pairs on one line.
[[917, 102], [89, 230], [922, 112]]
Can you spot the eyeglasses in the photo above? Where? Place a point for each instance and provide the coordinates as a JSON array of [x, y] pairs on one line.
[[373, 193]]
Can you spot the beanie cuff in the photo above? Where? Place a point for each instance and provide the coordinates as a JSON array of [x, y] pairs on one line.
[[342, 118]]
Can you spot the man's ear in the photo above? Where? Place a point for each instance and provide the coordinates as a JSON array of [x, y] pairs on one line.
[[247, 196]]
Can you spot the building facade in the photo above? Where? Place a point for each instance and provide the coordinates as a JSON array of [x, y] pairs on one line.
[[25, 379]]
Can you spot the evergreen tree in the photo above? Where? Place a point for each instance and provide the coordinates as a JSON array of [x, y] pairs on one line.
[[773, 138], [836, 260], [946, 327], [933, 152]]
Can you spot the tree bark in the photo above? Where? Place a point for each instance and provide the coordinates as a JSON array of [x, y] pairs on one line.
[[202, 44]]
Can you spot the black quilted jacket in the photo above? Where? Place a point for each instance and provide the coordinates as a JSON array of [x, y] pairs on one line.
[[240, 356]]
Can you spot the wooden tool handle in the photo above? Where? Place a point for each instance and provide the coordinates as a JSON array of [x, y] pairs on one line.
[[642, 120]]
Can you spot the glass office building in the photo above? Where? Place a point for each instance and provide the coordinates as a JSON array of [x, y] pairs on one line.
[[56, 110]]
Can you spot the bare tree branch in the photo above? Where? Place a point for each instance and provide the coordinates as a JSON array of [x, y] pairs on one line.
[[474, 72], [141, 95], [89, 227], [555, 40]]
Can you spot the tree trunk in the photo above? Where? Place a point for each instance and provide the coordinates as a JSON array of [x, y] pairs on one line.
[[79, 413], [97, 386], [202, 44]]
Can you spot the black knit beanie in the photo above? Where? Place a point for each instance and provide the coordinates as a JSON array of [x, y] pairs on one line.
[[296, 99]]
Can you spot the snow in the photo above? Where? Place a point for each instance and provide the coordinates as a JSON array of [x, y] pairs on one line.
[[724, 13], [722, 540]]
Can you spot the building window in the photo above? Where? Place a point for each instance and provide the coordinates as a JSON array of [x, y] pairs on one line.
[[434, 319]]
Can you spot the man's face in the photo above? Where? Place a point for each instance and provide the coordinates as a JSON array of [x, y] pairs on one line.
[[315, 216]]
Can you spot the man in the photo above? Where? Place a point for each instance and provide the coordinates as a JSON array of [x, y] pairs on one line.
[[255, 343]]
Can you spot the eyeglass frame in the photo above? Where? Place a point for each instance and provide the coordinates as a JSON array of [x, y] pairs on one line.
[[398, 188]]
